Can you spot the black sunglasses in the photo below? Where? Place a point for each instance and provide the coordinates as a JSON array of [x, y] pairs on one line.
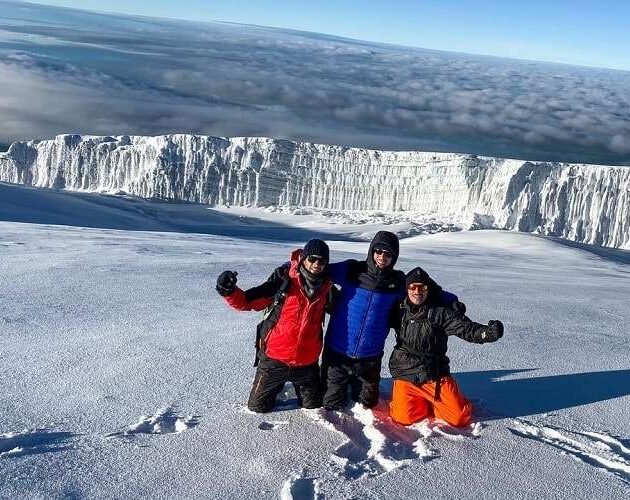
[[380, 251], [316, 258]]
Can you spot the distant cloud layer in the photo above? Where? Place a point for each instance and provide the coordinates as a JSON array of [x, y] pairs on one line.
[[65, 71]]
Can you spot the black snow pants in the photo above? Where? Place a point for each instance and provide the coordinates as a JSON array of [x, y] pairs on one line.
[[271, 375], [361, 375]]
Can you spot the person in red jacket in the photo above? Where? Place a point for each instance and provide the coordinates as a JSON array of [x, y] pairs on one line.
[[289, 339]]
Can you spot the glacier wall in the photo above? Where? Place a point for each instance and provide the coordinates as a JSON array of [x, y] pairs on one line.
[[583, 203]]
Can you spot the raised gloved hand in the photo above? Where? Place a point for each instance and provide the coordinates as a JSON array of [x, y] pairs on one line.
[[493, 332], [226, 283]]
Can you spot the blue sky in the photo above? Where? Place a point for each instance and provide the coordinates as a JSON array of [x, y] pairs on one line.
[[583, 32]]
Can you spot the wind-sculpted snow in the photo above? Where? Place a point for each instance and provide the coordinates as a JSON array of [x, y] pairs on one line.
[[583, 203]]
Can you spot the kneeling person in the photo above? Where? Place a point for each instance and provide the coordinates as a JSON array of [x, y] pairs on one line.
[[423, 386], [289, 339]]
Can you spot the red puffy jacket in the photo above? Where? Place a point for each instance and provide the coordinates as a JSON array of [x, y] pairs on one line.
[[296, 338]]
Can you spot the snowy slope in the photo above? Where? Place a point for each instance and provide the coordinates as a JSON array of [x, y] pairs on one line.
[[583, 203], [125, 375]]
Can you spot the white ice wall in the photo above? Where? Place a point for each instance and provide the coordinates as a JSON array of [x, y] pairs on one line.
[[584, 203]]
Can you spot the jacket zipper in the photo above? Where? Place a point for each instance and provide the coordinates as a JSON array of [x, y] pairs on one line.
[[356, 346], [302, 321], [305, 316]]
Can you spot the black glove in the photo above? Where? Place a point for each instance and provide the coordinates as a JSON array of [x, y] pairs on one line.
[[226, 283], [494, 331]]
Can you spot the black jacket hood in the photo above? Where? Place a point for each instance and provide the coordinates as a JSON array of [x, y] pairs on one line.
[[388, 241]]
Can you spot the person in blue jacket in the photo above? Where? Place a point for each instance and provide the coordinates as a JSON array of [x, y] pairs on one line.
[[360, 322]]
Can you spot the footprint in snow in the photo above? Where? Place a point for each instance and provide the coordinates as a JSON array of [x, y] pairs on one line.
[[34, 441], [287, 400], [374, 444], [300, 487], [164, 421], [592, 448], [272, 425]]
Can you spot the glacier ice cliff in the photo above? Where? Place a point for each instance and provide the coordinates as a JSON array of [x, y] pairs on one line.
[[583, 203]]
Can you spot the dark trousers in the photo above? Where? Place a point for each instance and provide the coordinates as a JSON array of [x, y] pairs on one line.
[[340, 372], [271, 375]]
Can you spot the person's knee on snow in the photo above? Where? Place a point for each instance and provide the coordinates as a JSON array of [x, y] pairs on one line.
[[262, 399], [309, 397], [464, 419], [336, 398], [257, 408], [460, 417], [368, 396], [452, 406], [408, 406], [311, 404]]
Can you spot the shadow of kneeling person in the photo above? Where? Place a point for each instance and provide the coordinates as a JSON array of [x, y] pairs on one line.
[[533, 395]]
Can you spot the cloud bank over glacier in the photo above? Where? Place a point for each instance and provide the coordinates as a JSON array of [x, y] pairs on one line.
[[69, 71]]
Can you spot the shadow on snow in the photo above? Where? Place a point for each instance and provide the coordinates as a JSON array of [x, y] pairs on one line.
[[102, 211], [34, 442]]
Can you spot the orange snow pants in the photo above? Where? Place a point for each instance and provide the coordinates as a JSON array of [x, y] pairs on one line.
[[412, 403]]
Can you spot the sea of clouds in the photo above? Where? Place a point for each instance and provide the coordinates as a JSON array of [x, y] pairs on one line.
[[71, 71]]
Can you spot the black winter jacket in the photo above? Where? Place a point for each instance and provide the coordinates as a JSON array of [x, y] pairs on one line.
[[422, 339]]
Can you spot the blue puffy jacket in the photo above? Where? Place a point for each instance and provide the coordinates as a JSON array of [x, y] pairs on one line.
[[359, 322]]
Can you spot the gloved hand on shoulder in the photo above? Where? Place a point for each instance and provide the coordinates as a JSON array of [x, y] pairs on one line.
[[493, 332], [226, 283]]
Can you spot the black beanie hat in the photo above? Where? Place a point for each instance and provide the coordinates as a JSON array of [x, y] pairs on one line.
[[316, 247], [418, 275]]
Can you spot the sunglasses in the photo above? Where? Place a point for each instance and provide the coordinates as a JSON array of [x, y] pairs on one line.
[[385, 253], [418, 287], [316, 258]]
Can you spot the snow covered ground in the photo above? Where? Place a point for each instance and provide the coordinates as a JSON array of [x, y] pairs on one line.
[[123, 374]]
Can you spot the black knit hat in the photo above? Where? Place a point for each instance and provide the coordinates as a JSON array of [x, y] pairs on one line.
[[316, 247], [418, 275]]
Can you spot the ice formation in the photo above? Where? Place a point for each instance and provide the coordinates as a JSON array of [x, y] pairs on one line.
[[583, 203]]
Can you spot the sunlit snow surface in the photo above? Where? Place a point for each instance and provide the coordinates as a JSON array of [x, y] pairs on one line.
[[125, 375]]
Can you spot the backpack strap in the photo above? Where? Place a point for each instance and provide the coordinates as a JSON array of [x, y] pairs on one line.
[[271, 315]]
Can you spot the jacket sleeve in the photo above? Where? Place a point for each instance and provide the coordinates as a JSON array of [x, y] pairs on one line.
[[338, 271], [259, 297], [331, 299], [395, 317], [238, 300], [462, 326]]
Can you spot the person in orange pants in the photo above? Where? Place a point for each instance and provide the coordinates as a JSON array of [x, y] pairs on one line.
[[423, 386], [412, 403]]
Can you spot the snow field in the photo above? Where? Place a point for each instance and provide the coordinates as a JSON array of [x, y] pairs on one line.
[[114, 342]]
